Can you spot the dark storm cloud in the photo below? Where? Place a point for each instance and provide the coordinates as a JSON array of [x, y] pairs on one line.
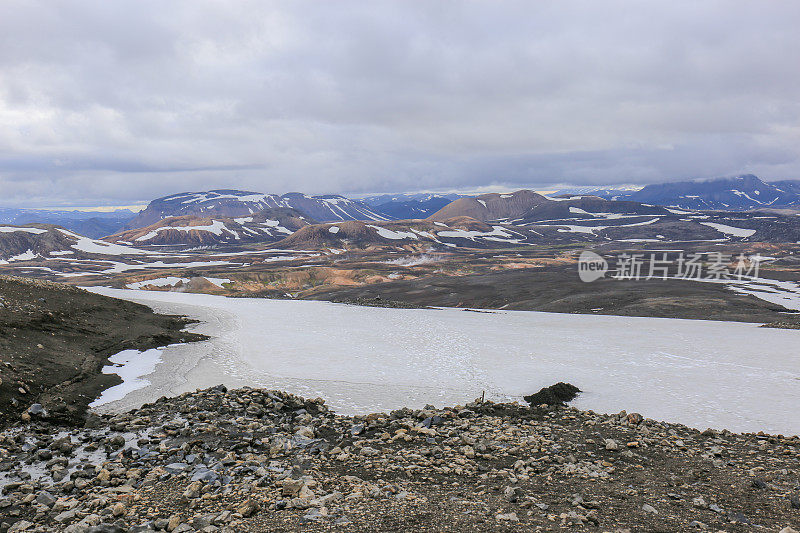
[[123, 101]]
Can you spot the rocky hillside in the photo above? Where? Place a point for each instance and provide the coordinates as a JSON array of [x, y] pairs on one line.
[[20, 243], [269, 225], [586, 207], [554, 222], [255, 460], [629, 224], [457, 232], [526, 207], [40, 241]]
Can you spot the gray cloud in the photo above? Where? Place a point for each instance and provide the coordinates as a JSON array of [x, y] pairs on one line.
[[123, 101]]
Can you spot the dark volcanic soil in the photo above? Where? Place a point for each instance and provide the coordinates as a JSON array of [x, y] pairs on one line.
[[55, 340], [558, 290]]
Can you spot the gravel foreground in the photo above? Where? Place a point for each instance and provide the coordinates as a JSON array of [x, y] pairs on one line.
[[257, 460]]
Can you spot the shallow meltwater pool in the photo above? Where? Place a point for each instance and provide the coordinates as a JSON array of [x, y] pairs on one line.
[[364, 359]]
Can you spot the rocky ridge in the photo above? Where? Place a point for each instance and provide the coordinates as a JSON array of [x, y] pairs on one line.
[[255, 460]]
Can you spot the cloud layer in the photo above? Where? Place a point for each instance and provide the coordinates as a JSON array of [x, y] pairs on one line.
[[124, 101]]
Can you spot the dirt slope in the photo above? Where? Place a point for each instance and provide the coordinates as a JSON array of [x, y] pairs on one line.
[[55, 340]]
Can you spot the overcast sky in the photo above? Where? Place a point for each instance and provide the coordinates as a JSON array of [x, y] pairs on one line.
[[114, 102]]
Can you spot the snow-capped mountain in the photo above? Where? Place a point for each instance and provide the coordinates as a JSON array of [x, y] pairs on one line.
[[739, 193], [331, 207], [787, 186], [219, 203], [233, 203]]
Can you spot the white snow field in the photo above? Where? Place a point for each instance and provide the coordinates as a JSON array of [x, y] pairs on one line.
[[130, 365], [363, 359]]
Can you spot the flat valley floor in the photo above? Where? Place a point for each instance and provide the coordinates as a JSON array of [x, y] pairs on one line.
[[722, 375]]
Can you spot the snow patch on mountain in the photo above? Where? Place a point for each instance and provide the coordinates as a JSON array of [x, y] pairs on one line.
[[216, 227], [394, 235], [12, 229], [730, 230], [91, 246]]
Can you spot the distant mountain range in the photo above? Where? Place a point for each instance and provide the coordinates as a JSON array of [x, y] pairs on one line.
[[487, 221], [229, 204], [608, 192], [382, 199], [225, 206], [409, 205], [93, 224], [740, 193]]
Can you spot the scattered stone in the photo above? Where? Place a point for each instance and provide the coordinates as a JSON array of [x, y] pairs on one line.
[[794, 501], [291, 487], [193, 490], [247, 508], [22, 525], [511, 494], [313, 515], [699, 502], [36, 409], [45, 498], [635, 419], [221, 461], [738, 517], [106, 528]]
